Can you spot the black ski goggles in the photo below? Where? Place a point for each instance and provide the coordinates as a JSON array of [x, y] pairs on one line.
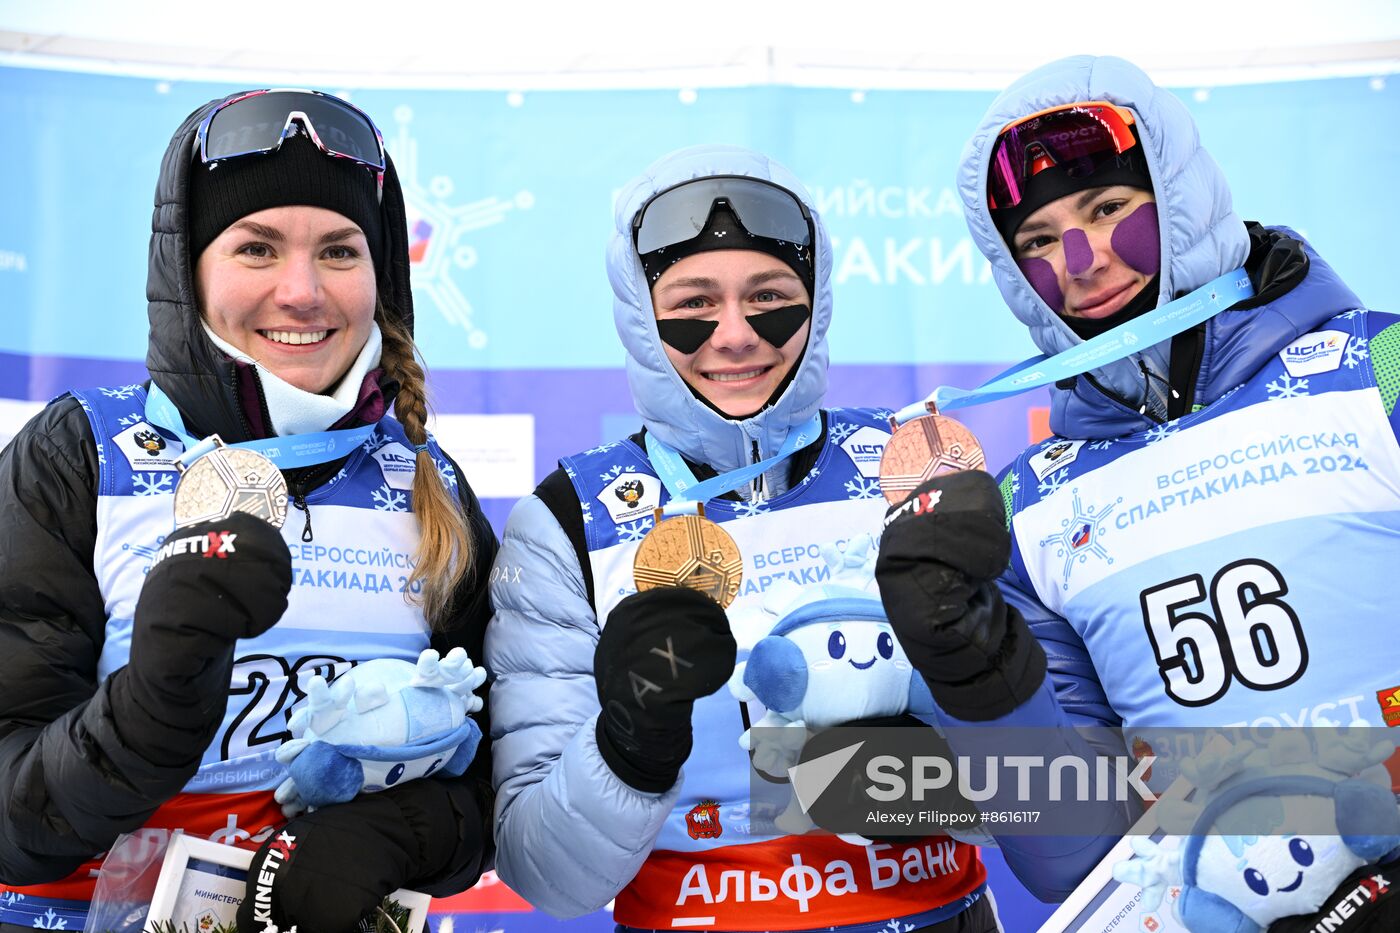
[[255, 123], [680, 213]]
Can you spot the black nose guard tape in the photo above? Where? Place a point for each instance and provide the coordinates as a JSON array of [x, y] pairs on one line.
[[776, 327]]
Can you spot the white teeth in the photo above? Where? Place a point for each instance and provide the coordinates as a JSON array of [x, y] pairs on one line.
[[733, 377], [286, 336]]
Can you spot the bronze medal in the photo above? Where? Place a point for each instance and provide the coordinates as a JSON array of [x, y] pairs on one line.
[[227, 480], [690, 551], [924, 448]]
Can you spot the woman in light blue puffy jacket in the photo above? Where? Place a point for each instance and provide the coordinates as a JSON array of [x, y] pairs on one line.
[[720, 267]]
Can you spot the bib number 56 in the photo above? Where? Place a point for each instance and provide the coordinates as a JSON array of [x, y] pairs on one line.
[[1250, 635]]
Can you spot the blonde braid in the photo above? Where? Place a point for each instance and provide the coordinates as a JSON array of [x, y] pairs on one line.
[[445, 547]]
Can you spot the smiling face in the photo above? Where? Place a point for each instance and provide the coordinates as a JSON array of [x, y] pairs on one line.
[[1089, 253], [735, 369], [855, 670], [293, 288], [1275, 876]]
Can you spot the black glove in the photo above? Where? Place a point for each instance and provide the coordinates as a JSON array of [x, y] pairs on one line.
[[940, 555], [211, 584], [327, 870], [660, 651]]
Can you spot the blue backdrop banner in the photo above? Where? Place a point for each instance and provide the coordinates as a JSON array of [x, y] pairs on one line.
[[510, 203]]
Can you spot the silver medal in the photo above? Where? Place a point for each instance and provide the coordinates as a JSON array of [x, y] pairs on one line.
[[227, 480]]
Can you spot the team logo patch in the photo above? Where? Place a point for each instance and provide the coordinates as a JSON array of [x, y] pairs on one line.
[[398, 465], [702, 822], [1081, 535], [1389, 700], [865, 447], [1058, 454], [631, 496], [1318, 352], [146, 449]]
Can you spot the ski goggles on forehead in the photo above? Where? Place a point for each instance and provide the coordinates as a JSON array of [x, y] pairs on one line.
[[680, 213], [1076, 137], [256, 123]]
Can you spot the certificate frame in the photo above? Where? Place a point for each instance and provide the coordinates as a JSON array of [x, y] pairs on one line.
[[178, 901], [1102, 903]]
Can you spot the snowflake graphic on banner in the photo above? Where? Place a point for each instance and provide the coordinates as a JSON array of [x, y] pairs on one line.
[[587, 512], [1101, 445], [600, 449], [1053, 481], [751, 507], [863, 487], [1080, 535], [374, 442], [1287, 387], [1356, 351], [635, 531], [387, 499], [811, 476], [438, 231], [1015, 482], [1161, 432], [1348, 315], [121, 393], [148, 484], [129, 420]]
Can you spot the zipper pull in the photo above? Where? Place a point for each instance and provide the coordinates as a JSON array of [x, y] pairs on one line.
[[300, 502], [757, 480]]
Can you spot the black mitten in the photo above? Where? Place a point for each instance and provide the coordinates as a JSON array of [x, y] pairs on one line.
[[211, 584], [659, 652], [940, 555], [327, 870]]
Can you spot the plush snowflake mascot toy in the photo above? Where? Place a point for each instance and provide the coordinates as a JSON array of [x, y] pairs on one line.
[[1236, 876], [381, 723]]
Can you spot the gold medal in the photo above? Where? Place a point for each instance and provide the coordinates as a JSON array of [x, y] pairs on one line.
[[227, 480], [690, 551], [923, 448]]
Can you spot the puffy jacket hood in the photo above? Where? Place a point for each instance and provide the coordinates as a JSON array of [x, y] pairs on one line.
[[667, 406], [1201, 237], [201, 380]]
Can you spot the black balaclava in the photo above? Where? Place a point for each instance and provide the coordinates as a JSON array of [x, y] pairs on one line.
[[724, 231], [298, 173], [1053, 183]]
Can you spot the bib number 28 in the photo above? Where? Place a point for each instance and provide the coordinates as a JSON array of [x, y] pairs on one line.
[[1250, 634]]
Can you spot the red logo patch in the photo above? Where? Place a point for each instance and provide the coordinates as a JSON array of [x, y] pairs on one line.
[[702, 822], [1389, 699]]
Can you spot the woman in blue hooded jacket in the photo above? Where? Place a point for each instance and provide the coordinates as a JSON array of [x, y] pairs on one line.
[[618, 765], [1207, 538]]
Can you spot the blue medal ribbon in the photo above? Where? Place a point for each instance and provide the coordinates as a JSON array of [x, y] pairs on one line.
[[294, 450], [686, 490], [1151, 328]]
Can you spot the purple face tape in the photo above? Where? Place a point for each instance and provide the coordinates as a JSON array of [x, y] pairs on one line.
[[1079, 255], [1041, 275], [1137, 240]]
